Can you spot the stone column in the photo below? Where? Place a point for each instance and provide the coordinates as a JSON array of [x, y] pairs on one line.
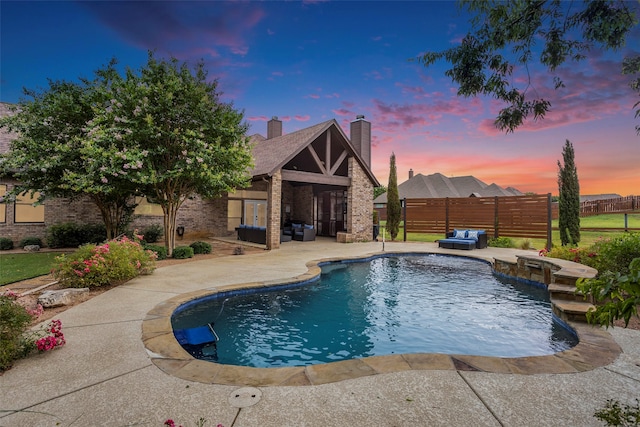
[[274, 203]]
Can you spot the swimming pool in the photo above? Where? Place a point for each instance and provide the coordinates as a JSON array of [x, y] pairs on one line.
[[386, 305]]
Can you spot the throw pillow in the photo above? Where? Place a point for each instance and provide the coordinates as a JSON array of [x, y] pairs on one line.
[[473, 234], [460, 234]]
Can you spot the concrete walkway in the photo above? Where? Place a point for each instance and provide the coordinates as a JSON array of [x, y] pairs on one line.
[[104, 375]]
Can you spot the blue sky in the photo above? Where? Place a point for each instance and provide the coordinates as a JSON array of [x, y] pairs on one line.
[[307, 62]]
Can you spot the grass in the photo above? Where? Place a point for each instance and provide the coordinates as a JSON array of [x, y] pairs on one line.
[[17, 267], [587, 238]]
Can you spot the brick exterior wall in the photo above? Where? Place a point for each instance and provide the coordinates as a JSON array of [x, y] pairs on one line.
[[303, 204], [56, 211], [287, 199], [198, 216], [360, 205]]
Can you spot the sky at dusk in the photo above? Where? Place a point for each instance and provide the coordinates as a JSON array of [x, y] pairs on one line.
[[307, 62]]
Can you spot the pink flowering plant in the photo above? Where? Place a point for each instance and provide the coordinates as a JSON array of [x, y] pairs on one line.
[[111, 263], [15, 339], [584, 256], [53, 337]]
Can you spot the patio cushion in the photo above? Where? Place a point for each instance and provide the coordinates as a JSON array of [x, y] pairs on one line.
[[459, 234]]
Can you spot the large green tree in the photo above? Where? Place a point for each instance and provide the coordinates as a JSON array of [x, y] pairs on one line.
[[509, 36], [165, 129], [394, 209], [569, 199], [50, 155]]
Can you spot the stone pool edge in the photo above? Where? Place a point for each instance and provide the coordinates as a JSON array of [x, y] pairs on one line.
[[596, 348]]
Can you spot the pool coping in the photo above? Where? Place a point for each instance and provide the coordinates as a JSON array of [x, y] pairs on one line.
[[596, 348]]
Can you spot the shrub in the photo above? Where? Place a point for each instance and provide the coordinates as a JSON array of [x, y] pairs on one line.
[[501, 242], [152, 233], [30, 241], [6, 244], [14, 321], [616, 254], [183, 252], [201, 247], [71, 235], [112, 263], [584, 256], [524, 244], [617, 294], [160, 251]]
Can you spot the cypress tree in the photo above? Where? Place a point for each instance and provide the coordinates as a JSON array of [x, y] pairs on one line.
[[569, 198], [394, 211]]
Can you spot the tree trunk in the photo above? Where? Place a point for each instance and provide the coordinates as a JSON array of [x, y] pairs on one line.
[[115, 214], [170, 217], [106, 214]]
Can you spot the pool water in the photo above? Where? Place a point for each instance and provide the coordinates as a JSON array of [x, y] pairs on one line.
[[386, 305]]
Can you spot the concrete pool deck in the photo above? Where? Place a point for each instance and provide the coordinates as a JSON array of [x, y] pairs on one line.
[[105, 375]]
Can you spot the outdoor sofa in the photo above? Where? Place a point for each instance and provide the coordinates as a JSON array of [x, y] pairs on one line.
[[464, 239], [300, 231], [253, 234]]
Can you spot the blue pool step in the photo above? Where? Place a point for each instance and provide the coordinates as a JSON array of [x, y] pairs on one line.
[[196, 336]]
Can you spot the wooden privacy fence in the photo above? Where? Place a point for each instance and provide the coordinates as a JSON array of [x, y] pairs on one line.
[[513, 216], [618, 205]]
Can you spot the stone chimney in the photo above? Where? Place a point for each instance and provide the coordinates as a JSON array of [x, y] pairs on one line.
[[274, 127], [410, 173], [361, 138]]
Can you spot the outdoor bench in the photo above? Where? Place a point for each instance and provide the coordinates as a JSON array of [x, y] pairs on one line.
[[250, 233], [464, 239]]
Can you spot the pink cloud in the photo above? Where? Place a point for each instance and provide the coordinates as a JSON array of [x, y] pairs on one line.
[[344, 112], [313, 96], [304, 118], [590, 93], [277, 73], [400, 118]]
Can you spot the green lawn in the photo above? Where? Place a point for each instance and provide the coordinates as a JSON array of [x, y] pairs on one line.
[[16, 267], [587, 237]]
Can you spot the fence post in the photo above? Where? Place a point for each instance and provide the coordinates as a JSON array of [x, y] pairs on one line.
[[404, 217], [446, 215], [549, 238], [496, 218], [626, 223]]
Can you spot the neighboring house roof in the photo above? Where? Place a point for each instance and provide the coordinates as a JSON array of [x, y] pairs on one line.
[[437, 185], [5, 136], [270, 155]]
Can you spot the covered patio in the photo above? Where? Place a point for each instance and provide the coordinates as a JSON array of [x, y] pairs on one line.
[[315, 176]]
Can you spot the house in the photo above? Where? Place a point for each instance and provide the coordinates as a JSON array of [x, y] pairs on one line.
[[439, 186], [315, 175]]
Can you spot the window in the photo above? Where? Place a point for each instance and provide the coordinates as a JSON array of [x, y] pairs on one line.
[[145, 208], [25, 211], [234, 214], [3, 205]]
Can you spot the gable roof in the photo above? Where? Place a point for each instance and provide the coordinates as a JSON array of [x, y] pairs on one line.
[[437, 185], [270, 155]]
